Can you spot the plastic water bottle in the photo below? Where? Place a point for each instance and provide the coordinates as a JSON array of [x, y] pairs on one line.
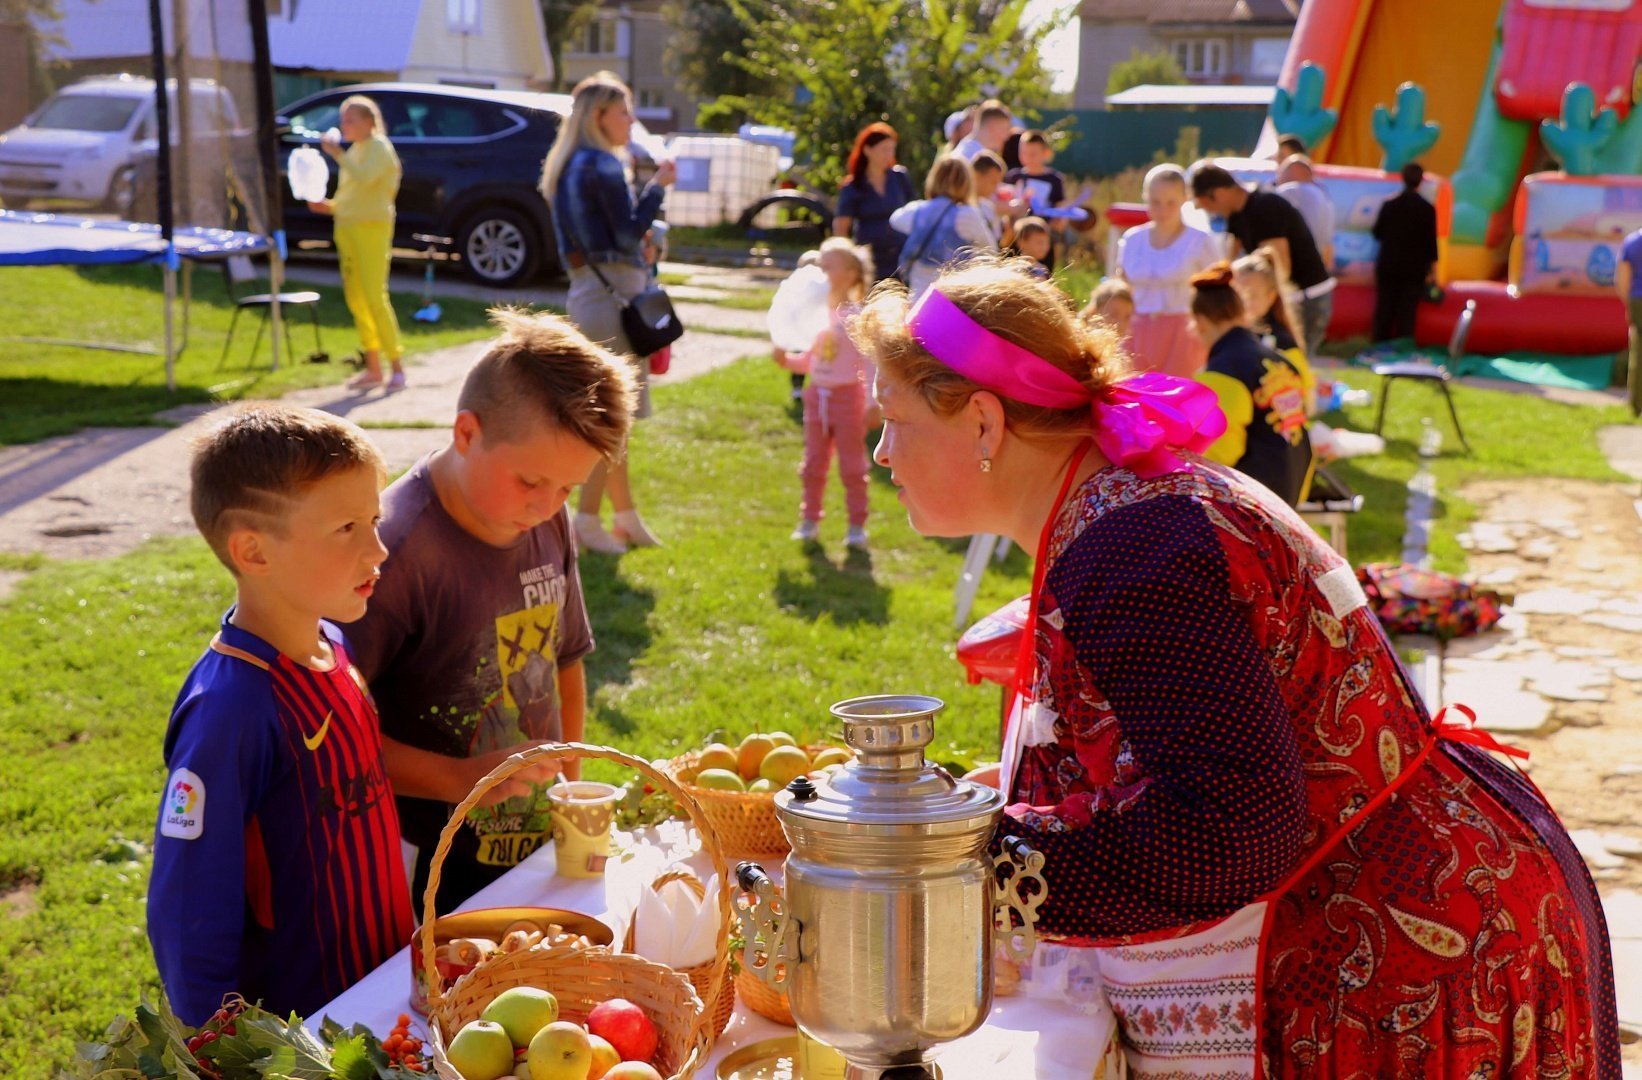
[[1430, 438]]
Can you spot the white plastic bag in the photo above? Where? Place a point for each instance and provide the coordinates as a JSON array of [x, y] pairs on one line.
[[307, 173]]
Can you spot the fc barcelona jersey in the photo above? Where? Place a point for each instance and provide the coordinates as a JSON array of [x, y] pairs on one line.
[[277, 867]]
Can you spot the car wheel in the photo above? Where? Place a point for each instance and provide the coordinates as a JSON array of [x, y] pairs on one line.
[[499, 247], [122, 193]]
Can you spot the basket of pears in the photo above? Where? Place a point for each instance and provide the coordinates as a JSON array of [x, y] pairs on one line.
[[735, 787]]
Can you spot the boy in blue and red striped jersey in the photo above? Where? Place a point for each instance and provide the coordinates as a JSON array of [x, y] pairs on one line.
[[277, 867]]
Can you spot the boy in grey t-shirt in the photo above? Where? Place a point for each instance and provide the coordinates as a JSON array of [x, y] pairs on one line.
[[474, 639]]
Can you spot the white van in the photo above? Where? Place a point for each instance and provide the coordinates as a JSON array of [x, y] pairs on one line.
[[84, 145]]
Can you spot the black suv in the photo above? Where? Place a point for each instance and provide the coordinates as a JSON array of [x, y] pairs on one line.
[[472, 160]]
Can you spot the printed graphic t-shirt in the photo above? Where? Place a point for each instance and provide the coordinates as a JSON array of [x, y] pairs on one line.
[[462, 646], [277, 871]]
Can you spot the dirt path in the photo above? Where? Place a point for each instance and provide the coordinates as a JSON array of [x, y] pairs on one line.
[[103, 491]]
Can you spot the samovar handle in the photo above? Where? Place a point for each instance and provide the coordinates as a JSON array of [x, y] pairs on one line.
[[768, 948], [1016, 864]]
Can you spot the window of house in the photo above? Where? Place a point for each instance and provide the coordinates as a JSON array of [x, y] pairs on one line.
[[462, 16], [651, 98], [1266, 56], [1201, 56], [601, 38]]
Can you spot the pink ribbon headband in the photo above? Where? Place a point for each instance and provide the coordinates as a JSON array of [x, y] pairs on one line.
[[1138, 423]]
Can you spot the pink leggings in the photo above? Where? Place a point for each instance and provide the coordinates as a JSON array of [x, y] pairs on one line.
[[835, 416]]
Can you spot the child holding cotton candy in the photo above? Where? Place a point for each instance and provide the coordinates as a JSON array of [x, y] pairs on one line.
[[837, 399]]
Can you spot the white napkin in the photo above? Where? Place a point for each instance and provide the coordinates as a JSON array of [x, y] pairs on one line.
[[672, 927]]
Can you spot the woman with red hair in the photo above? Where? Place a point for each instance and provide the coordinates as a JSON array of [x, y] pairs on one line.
[[873, 189]]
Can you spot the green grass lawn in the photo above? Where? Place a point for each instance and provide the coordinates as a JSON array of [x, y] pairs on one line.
[[730, 627], [51, 389]]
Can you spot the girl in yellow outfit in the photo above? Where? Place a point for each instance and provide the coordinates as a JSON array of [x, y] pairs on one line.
[[363, 208]]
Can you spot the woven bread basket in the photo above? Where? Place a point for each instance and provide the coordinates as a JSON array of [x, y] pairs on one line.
[[578, 977], [701, 975], [744, 821]]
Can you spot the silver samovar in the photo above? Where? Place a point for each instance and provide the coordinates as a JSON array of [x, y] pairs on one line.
[[884, 933]]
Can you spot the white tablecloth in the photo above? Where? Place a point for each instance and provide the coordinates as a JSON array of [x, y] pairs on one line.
[[1023, 1038]]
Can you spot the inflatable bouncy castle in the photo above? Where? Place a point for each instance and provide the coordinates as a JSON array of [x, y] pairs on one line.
[[1525, 115]]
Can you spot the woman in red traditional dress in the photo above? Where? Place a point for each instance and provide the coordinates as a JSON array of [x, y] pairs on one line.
[[1284, 865]]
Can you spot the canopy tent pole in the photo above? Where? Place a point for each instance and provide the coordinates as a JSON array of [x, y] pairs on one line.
[[262, 73], [162, 169]]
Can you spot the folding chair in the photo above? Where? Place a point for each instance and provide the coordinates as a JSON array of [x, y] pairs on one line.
[[1328, 504], [1429, 371], [238, 269]]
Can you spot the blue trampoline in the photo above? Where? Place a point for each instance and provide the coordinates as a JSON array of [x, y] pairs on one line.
[[59, 240]]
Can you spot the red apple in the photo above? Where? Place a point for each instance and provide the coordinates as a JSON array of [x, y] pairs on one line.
[[623, 1025], [633, 1070]]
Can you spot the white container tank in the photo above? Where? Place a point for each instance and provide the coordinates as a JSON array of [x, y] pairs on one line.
[[719, 176]]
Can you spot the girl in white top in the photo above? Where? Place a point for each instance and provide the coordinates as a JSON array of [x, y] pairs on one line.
[[943, 228], [1158, 260]]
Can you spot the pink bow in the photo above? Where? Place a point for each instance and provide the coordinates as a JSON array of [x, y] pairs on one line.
[[1141, 421]]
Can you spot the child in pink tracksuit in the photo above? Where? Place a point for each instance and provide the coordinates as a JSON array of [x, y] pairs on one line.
[[837, 398]]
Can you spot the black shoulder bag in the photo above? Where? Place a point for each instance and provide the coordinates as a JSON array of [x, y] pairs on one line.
[[648, 319]]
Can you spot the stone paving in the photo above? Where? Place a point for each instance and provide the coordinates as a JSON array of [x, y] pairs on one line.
[[1562, 675]]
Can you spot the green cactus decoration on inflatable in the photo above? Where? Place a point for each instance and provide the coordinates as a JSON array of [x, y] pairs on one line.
[[1583, 132], [1301, 113], [1403, 132]]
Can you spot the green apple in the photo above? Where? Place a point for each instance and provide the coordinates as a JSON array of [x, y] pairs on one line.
[[781, 738], [481, 1051], [832, 755], [783, 764], [633, 1070], [560, 1051], [522, 1011], [717, 756], [719, 780], [761, 786]]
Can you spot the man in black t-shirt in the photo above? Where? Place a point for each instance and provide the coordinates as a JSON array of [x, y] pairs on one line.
[[1255, 217]]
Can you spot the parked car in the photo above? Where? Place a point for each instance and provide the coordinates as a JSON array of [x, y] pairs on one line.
[[87, 144], [472, 160]]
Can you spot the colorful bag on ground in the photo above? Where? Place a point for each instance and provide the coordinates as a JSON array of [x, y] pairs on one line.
[[1410, 600]]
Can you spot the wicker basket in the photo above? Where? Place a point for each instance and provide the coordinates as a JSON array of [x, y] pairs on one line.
[[745, 821], [762, 998], [581, 978], [701, 975]]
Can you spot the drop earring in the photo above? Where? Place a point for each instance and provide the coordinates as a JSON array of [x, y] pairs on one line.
[[986, 464]]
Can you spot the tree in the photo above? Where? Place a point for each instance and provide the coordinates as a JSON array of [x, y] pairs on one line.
[[1144, 69], [704, 33], [833, 66], [564, 21], [37, 21]]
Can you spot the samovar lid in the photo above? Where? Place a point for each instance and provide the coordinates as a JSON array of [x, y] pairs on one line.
[[888, 784]]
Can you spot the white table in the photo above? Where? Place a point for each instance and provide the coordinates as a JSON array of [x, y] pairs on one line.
[[1022, 1039]]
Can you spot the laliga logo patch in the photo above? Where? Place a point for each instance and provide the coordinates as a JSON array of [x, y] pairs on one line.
[[182, 814]]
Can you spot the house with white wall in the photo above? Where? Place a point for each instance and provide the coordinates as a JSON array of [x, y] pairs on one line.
[[316, 44]]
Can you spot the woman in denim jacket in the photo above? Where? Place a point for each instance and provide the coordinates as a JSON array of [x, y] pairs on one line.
[[602, 230]]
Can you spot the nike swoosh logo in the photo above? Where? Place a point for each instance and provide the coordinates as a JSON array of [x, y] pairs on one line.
[[319, 736]]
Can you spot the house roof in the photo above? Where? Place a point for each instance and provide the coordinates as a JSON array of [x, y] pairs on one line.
[[1184, 96], [321, 35], [1281, 12]]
